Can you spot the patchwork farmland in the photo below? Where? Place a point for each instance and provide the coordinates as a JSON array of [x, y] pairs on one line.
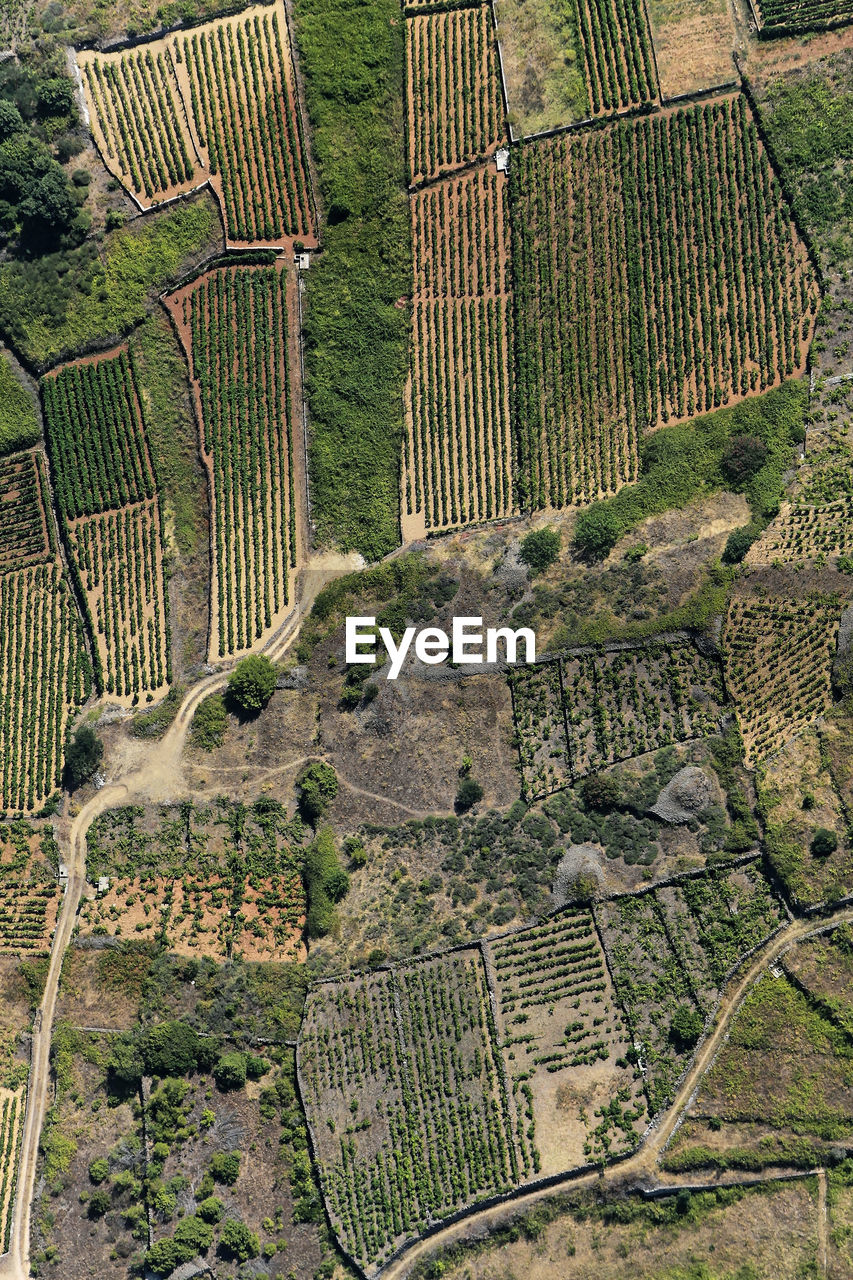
[[455, 109], [107, 496], [618, 58], [580, 712], [457, 464], [238, 328], [29, 889], [218, 105], [44, 667]]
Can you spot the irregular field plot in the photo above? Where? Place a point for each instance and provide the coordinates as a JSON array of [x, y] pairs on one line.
[[25, 529], [802, 531], [457, 451], [582, 712], [693, 42], [44, 668], [216, 104], [790, 16], [405, 1094], [29, 890], [12, 1106], [778, 660], [564, 1042], [455, 109], [823, 966], [217, 880], [234, 325], [106, 490], [642, 328], [673, 948]]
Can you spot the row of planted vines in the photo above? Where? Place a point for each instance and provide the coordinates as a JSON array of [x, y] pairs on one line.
[[778, 663], [803, 531], [234, 324], [455, 110], [11, 1122], [44, 668], [106, 490], [29, 890], [406, 1097], [670, 953], [457, 462], [556, 1014], [216, 104], [139, 121], [581, 712], [787, 17], [687, 286], [220, 880], [614, 39]]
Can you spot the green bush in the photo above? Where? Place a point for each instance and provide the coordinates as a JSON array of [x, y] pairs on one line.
[[225, 1167], [209, 723], [252, 683], [317, 788], [19, 425], [230, 1071], [468, 794], [99, 1171], [238, 1242], [540, 549], [326, 882], [824, 842]]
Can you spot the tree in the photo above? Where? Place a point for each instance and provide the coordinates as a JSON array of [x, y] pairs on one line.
[[211, 1210], [225, 1167], [99, 1203], [230, 1071], [738, 543], [193, 1233], [597, 531], [540, 549], [600, 792], [99, 1171], [824, 842], [170, 1049], [686, 1027], [165, 1255], [743, 456], [469, 794], [238, 1242], [252, 683], [125, 1067], [10, 120], [82, 757], [317, 787]]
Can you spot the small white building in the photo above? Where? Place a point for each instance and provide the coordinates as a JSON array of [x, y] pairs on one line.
[[103, 884], [502, 159], [63, 873], [303, 261]]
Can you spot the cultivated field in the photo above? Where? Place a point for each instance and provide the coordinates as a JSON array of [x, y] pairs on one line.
[[12, 1106], [217, 104], [614, 39], [454, 103], [788, 17], [107, 496], [581, 712], [564, 1042], [406, 1097], [670, 950], [644, 329], [458, 452], [802, 531], [29, 890], [238, 327], [778, 657], [44, 668], [221, 881]]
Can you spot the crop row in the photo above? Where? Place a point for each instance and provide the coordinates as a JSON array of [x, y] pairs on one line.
[[578, 713], [803, 532], [455, 111], [241, 87], [657, 274], [238, 348], [778, 661], [781, 16], [617, 50], [140, 117], [44, 673], [9, 1125], [406, 1096], [119, 557], [24, 502], [457, 459], [96, 438]]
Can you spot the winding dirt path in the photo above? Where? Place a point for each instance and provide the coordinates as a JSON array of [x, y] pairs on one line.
[[160, 768]]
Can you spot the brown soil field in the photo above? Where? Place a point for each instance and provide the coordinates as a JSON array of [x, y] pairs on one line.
[[87, 1000], [694, 41], [15, 1020]]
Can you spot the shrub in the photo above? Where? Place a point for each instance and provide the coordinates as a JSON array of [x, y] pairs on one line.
[[597, 531], [824, 842], [230, 1071], [600, 792], [99, 1203], [193, 1233], [252, 683], [469, 794], [170, 1049], [743, 456], [99, 1171], [686, 1027], [225, 1168], [318, 787], [738, 543], [83, 756], [540, 549], [211, 1210], [209, 723], [326, 882], [238, 1242]]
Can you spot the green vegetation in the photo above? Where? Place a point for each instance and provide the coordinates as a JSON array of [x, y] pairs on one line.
[[469, 793], [19, 424], [683, 462], [318, 787], [154, 723], [326, 882], [540, 549], [83, 756], [356, 336], [252, 683], [61, 303], [209, 723]]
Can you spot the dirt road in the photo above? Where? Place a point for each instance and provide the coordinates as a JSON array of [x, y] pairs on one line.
[[158, 773]]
